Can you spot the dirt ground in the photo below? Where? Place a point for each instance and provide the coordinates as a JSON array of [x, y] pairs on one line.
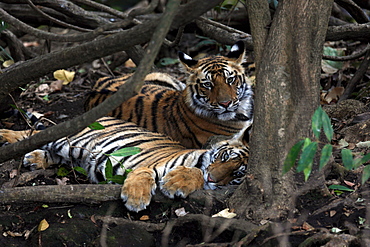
[[326, 214]]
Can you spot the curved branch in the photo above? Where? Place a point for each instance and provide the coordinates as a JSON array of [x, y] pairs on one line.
[[357, 77], [354, 10], [349, 57], [223, 33], [56, 37], [59, 22]]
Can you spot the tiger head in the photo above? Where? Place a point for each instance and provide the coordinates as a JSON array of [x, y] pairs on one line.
[[227, 164], [217, 86]]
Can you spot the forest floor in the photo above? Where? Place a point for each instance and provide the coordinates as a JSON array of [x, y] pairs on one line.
[[321, 214]]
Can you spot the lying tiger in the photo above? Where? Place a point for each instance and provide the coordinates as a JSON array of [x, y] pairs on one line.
[[217, 99], [162, 163]]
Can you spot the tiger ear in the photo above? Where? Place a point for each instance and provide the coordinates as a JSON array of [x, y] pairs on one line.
[[237, 52], [243, 136], [187, 61]]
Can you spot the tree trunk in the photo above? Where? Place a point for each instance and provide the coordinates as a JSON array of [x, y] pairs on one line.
[[287, 93]]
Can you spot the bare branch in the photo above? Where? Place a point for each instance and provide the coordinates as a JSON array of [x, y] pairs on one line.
[[63, 24], [357, 77], [61, 38], [351, 31], [223, 33], [354, 10]]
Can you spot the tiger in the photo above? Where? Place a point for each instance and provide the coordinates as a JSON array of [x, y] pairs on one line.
[[161, 163], [217, 99]]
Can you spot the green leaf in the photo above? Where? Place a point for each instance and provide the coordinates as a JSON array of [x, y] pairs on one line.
[[333, 52], [365, 174], [347, 158], [292, 156], [80, 170], [326, 124], [128, 151], [108, 169], [118, 179], [308, 153], [167, 61], [317, 122], [365, 159], [307, 171], [3, 25], [96, 126], [325, 155], [62, 172], [340, 187], [46, 98]]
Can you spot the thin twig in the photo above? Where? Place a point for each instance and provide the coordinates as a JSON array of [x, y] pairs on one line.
[[61, 38], [59, 22], [356, 77], [177, 39], [354, 10]]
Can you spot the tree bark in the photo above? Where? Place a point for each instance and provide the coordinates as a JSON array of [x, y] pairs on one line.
[[287, 93]]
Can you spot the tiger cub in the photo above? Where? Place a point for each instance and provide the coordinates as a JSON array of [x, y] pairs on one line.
[[162, 163], [217, 99]]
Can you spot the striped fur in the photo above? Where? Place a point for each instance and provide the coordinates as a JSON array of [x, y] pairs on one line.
[[161, 162], [216, 100]]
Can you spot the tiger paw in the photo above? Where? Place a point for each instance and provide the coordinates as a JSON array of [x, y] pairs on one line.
[[12, 136], [182, 181], [37, 159], [138, 189]]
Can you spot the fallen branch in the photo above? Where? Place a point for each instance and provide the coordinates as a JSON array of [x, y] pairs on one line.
[[92, 193], [81, 193], [243, 227]]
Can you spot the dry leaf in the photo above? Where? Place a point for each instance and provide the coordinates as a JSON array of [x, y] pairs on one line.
[[349, 183], [180, 212], [56, 85], [64, 75], [30, 44], [42, 89], [342, 143], [27, 234], [363, 144], [332, 213], [12, 234], [7, 63], [130, 64], [328, 69], [144, 217], [334, 94], [225, 213], [8, 125], [62, 181], [13, 173], [307, 227], [43, 225]]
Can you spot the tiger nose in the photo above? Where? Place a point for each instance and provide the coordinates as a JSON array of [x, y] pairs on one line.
[[225, 103]]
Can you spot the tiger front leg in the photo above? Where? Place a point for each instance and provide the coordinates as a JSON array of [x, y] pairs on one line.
[[182, 181], [138, 189], [38, 159]]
